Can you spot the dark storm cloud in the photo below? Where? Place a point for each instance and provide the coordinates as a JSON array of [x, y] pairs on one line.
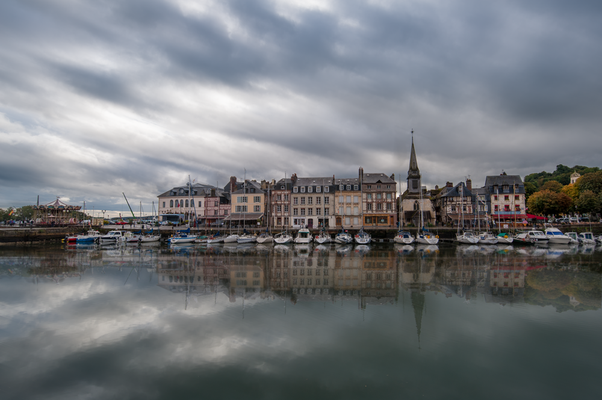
[[159, 90]]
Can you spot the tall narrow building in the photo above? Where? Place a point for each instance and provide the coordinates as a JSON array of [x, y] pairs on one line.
[[414, 182]]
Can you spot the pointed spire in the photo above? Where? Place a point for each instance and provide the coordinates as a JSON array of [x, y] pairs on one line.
[[413, 160], [418, 304]]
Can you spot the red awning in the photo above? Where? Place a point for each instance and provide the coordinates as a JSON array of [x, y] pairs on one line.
[[508, 216], [531, 216]]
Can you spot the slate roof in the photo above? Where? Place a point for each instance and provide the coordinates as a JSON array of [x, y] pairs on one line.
[[377, 177], [198, 189], [251, 187], [454, 192], [501, 180], [317, 181]]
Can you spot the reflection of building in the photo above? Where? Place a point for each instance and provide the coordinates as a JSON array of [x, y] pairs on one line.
[[379, 278]]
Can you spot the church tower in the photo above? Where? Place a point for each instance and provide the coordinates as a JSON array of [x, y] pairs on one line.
[[414, 182]]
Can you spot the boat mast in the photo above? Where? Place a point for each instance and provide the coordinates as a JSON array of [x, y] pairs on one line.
[[497, 193]]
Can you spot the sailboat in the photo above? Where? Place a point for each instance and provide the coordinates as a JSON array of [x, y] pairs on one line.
[[246, 237], [466, 237], [266, 237], [402, 237], [424, 236], [231, 238]]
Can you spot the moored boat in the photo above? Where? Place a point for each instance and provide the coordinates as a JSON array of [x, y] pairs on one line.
[[283, 238], [556, 236], [426, 237], [467, 237], [303, 236], [404, 237], [504, 237], [362, 237], [343, 237], [487, 238], [587, 238]]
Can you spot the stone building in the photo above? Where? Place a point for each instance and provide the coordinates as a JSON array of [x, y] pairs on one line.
[[415, 201]]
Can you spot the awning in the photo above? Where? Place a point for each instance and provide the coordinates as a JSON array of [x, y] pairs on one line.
[[508, 216], [531, 216], [244, 217]]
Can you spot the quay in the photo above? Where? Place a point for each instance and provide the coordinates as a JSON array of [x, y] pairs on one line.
[[41, 235]]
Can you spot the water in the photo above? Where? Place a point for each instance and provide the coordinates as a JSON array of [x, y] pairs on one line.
[[300, 322]]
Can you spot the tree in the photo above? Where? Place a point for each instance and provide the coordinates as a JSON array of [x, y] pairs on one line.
[[546, 202], [530, 188], [591, 181], [552, 186], [572, 191], [588, 202]]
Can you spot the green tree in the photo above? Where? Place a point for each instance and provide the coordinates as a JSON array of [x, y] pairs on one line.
[[572, 191], [546, 202], [588, 202], [552, 186], [530, 188], [591, 181]]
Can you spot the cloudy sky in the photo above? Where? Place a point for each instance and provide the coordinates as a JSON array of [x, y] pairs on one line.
[[104, 97]]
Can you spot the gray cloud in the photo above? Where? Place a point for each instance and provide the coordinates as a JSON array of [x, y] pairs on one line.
[[134, 96]]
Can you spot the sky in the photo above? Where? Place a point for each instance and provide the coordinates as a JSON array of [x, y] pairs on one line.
[[134, 96]]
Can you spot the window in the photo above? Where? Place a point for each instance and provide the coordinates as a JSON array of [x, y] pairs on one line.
[[496, 207], [302, 200], [318, 189], [278, 208], [302, 189], [215, 203], [310, 200], [200, 203], [286, 221], [506, 198], [368, 186], [379, 196], [171, 203], [310, 211], [347, 221], [286, 197], [389, 206], [163, 204], [326, 200], [516, 197], [318, 211], [295, 189], [388, 186], [242, 199], [517, 207], [341, 199], [379, 206], [356, 221], [341, 210], [369, 206], [256, 199], [378, 186], [318, 200], [355, 187], [326, 189], [348, 187], [348, 210], [495, 197], [225, 212], [303, 211], [347, 199], [186, 203], [257, 208], [326, 212], [355, 210], [279, 221], [369, 196], [214, 212], [388, 196], [295, 201], [355, 199], [241, 208], [310, 189], [341, 187], [295, 211], [286, 208]]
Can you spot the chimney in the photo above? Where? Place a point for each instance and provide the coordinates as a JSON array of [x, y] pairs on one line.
[[232, 183], [212, 192], [469, 184], [361, 175], [449, 184], [393, 177], [294, 178]]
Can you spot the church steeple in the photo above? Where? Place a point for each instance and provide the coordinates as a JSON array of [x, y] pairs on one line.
[[414, 183]]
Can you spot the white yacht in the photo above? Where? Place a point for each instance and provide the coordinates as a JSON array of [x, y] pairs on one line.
[[265, 238], [343, 237], [283, 238], [404, 237], [425, 237], [556, 236], [505, 238], [587, 238], [532, 237], [574, 237], [246, 238], [467, 237], [303, 236], [487, 238], [362, 237], [323, 237], [232, 238]]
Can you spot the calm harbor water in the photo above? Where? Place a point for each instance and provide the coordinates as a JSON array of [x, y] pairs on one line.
[[300, 322]]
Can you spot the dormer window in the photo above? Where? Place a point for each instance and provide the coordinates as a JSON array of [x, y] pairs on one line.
[[326, 189], [348, 187], [302, 189], [310, 189], [355, 187], [318, 189], [281, 187], [341, 187], [295, 189]]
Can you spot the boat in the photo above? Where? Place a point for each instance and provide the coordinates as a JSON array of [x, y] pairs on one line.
[[467, 237], [201, 239], [215, 239], [426, 237], [246, 238], [404, 237], [587, 239], [181, 237], [149, 238], [556, 236], [283, 238], [323, 237], [532, 237], [91, 236], [112, 237], [362, 237], [303, 236], [265, 237], [487, 238], [231, 238], [599, 239], [343, 237], [504, 237], [574, 237]]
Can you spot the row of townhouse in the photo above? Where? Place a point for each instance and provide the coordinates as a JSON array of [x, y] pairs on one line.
[[312, 202], [368, 200]]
